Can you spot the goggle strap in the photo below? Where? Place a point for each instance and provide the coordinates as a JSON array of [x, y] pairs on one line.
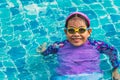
[[88, 28]]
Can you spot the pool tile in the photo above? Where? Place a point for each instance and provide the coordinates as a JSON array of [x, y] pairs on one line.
[[115, 18], [109, 28], [89, 1], [16, 52], [4, 13], [14, 10], [25, 24]]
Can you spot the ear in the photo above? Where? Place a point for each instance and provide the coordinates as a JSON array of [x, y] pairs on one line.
[[89, 31], [65, 31]]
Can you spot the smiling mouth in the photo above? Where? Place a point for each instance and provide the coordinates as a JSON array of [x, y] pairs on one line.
[[76, 39]]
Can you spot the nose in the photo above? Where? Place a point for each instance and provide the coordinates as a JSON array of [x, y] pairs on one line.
[[77, 33]]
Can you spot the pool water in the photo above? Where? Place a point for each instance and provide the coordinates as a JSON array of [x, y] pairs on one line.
[[25, 24]]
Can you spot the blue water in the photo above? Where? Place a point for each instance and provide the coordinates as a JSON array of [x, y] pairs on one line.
[[25, 24]]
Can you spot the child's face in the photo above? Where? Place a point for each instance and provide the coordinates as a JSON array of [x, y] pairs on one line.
[[77, 39]]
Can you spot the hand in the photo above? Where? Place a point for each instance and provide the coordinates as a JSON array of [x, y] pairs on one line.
[[116, 75], [41, 48]]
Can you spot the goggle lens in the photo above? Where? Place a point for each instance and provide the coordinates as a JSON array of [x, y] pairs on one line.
[[74, 30]]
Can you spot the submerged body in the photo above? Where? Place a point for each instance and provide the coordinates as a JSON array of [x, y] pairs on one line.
[[84, 59], [76, 60]]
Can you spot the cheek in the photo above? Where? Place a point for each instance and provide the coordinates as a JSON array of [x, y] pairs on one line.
[[86, 35], [68, 35]]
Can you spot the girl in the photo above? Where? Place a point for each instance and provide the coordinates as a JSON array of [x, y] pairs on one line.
[[78, 56]]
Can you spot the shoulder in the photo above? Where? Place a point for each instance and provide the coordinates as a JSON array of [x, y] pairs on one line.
[[99, 44], [96, 42]]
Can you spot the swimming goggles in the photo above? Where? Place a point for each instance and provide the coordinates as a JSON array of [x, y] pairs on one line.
[[74, 30]]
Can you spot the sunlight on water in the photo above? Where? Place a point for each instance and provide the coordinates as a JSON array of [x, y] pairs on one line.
[[25, 24]]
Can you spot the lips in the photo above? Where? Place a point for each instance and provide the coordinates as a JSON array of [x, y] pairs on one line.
[[76, 39]]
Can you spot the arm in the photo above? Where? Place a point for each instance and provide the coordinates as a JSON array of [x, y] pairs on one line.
[[116, 75], [50, 50], [113, 56], [110, 51]]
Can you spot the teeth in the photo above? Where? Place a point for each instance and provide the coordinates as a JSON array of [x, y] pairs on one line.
[[77, 37]]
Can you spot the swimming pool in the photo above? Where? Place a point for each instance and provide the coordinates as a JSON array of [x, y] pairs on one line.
[[25, 24]]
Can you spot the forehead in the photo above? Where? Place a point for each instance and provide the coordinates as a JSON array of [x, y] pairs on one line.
[[76, 21]]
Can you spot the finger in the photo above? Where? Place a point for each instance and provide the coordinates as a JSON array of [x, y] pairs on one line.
[[44, 45]]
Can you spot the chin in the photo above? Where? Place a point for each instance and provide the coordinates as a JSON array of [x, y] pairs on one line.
[[77, 44]]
